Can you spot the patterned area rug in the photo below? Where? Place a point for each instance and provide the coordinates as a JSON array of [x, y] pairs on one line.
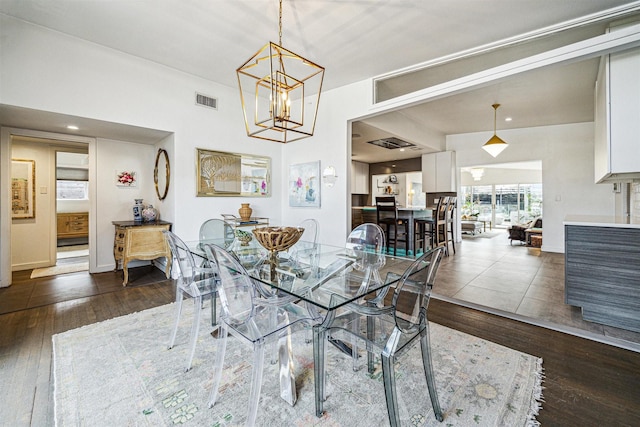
[[119, 372]]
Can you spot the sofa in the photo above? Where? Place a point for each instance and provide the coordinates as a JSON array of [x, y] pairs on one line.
[[517, 231]]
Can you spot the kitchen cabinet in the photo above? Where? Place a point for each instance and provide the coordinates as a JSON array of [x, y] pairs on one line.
[[617, 118], [439, 172], [602, 270], [72, 225], [142, 241], [359, 178]]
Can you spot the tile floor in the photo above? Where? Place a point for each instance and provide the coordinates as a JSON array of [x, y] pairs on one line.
[[520, 282]]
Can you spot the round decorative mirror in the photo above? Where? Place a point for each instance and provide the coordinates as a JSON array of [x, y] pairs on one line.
[[161, 173]]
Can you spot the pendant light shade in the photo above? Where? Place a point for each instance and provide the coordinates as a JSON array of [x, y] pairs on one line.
[[495, 144], [280, 93]]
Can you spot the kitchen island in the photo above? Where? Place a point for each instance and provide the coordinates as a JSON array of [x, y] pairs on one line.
[[369, 215], [602, 269]]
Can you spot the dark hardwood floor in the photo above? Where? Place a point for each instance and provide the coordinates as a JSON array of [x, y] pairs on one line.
[[587, 383]]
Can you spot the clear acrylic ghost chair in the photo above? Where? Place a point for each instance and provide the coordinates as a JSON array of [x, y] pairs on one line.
[[254, 321], [400, 326], [219, 230], [193, 282], [306, 250], [365, 244]]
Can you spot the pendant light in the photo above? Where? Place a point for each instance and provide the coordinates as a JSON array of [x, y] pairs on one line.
[[280, 92], [495, 145]]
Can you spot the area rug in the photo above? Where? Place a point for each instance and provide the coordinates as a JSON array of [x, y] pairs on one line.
[[59, 269], [120, 372], [490, 234]]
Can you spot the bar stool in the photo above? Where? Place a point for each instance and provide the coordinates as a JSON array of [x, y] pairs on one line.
[[427, 229], [451, 208], [387, 218]]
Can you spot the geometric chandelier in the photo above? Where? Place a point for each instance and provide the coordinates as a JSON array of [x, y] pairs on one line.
[[280, 93], [495, 144]]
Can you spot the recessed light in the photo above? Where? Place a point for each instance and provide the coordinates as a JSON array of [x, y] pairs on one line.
[[507, 119], [72, 127], [402, 149]]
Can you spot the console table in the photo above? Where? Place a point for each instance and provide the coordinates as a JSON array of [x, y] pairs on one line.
[[142, 241]]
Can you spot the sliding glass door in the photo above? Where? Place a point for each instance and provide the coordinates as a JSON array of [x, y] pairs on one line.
[[503, 204]]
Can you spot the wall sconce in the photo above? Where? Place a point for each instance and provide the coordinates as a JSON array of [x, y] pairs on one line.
[[329, 176]]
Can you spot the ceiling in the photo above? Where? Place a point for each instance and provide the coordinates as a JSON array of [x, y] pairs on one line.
[[354, 40]]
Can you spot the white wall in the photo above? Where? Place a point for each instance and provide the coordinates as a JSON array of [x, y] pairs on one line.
[[31, 238], [46, 70], [566, 152]]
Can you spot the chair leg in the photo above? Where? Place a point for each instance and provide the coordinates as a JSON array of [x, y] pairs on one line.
[[389, 377], [425, 346], [214, 298], [179, 298], [319, 354], [218, 364], [195, 329], [256, 383]]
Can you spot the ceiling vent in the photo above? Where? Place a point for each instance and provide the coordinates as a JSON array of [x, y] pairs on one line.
[[391, 143], [206, 101]]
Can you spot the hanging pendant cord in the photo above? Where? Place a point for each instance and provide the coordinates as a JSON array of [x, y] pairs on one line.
[[280, 25]]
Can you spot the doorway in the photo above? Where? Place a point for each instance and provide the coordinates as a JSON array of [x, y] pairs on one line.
[[72, 209], [502, 194]]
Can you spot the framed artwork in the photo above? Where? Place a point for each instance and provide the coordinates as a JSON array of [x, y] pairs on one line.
[[219, 173], [304, 185], [126, 179], [23, 186]]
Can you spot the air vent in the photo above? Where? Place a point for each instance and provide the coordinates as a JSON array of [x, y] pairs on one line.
[[391, 143], [206, 101]]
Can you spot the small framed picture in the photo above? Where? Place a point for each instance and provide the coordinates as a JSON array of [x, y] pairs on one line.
[[126, 179], [23, 185]]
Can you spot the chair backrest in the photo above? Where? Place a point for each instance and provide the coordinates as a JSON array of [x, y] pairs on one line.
[[310, 234], [366, 243], [236, 290], [386, 208], [413, 291], [441, 209], [217, 229], [451, 206], [184, 259]]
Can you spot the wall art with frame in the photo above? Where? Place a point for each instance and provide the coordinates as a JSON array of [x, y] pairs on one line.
[[23, 185], [304, 185]]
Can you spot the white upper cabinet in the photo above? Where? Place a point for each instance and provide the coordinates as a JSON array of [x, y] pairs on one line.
[[359, 178], [439, 172], [617, 118]]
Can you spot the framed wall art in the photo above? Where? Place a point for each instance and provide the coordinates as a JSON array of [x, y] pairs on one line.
[[126, 179], [304, 185], [23, 185], [220, 173]]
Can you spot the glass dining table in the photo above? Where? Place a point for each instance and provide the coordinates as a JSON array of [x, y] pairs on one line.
[[326, 278]]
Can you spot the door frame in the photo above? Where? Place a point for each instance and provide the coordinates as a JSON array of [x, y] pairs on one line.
[[6, 135]]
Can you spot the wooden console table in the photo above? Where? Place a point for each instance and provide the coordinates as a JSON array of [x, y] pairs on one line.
[[141, 241]]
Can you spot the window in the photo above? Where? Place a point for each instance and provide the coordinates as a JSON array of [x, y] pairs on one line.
[[503, 204], [72, 190]]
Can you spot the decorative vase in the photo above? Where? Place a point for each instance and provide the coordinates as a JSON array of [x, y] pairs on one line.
[[245, 211], [149, 214], [137, 210]]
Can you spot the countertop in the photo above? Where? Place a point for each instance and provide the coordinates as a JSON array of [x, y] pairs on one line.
[[373, 208], [599, 221]]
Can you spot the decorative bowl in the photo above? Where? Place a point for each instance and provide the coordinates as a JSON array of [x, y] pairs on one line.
[[276, 239], [243, 237]]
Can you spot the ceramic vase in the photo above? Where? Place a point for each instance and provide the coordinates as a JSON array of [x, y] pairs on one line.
[[149, 214], [137, 210], [245, 211]]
